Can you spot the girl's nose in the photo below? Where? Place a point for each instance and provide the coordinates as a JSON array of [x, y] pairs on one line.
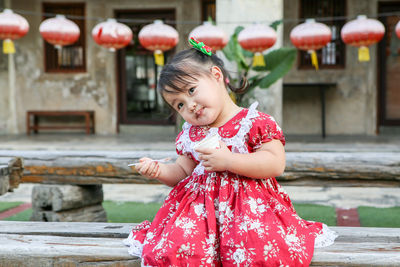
[[193, 106]]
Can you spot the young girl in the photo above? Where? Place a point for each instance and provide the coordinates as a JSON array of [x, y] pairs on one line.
[[226, 207]]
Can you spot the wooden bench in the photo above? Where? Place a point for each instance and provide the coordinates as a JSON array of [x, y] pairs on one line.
[[84, 244], [302, 168], [32, 120]]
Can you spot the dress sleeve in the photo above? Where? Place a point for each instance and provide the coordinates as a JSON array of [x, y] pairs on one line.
[[263, 130]]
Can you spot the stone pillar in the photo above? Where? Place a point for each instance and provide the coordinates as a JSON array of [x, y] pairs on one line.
[[11, 170], [232, 13], [68, 203]]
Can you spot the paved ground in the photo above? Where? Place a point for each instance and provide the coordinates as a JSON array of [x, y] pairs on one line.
[[150, 139]]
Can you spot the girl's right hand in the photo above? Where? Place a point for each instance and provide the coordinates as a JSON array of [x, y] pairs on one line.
[[148, 168]]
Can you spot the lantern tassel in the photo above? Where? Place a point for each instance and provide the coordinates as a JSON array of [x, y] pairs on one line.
[[159, 57], [8, 46], [363, 54], [314, 59], [258, 60]]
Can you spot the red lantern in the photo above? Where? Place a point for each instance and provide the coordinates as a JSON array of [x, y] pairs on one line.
[[361, 33], [112, 34], [210, 35], [12, 27], [310, 36], [158, 37], [59, 31], [398, 29], [257, 38]]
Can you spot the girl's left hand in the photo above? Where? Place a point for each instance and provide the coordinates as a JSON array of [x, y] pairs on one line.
[[215, 159]]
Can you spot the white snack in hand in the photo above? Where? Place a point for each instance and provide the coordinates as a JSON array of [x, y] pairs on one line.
[[208, 142], [157, 160]]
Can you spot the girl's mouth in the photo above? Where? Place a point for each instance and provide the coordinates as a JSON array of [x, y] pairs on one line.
[[199, 112]]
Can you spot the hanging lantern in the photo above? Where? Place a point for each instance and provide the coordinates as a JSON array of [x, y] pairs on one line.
[[112, 34], [59, 31], [12, 27], [361, 33], [311, 36], [257, 38], [210, 35], [158, 37], [397, 29]]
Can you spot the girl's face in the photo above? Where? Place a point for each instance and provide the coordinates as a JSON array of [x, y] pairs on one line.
[[201, 103]]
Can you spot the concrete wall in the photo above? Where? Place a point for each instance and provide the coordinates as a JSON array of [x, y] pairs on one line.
[[3, 84], [232, 13], [351, 107], [96, 88]]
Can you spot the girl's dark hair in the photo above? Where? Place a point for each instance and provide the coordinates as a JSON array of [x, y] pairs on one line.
[[186, 66]]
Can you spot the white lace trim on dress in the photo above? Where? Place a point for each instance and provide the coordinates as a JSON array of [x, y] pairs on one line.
[[135, 247], [237, 141], [326, 238]]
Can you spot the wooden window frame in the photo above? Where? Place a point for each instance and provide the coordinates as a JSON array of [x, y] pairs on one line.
[[204, 9], [82, 39], [301, 54]]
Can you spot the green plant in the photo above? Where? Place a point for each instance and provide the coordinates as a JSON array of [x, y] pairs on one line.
[[278, 63]]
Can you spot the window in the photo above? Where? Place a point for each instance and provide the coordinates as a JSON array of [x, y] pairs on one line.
[[333, 54], [70, 58], [208, 10]]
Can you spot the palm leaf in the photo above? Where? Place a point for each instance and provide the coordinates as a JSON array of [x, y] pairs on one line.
[[279, 62]]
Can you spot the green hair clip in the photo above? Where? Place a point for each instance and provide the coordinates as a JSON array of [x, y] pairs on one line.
[[200, 46]]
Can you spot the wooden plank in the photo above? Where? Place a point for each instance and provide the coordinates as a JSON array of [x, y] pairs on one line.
[[346, 234], [84, 229], [60, 112], [46, 243], [37, 250], [358, 254], [302, 168]]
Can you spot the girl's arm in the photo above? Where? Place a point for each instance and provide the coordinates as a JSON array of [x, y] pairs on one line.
[[169, 174], [267, 161]]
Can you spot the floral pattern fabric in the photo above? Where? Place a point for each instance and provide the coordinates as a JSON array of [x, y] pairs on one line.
[[221, 218]]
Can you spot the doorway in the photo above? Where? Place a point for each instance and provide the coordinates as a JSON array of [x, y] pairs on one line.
[[138, 100], [389, 68]]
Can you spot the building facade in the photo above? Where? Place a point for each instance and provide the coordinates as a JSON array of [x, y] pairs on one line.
[[362, 98], [359, 98]]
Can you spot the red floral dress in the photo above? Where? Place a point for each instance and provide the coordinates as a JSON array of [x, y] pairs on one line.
[[221, 218]]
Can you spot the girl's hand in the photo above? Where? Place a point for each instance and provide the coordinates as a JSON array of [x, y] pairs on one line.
[[215, 159], [148, 168]]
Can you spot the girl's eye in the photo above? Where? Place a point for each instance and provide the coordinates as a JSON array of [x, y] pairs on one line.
[[191, 90], [180, 105]]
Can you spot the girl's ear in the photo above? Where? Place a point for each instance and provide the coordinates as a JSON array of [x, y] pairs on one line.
[[217, 73]]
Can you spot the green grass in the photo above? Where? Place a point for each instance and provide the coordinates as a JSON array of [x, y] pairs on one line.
[[8, 205], [379, 217], [135, 212], [130, 211], [318, 213]]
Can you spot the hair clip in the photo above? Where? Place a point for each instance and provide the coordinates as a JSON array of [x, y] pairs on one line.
[[200, 46]]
